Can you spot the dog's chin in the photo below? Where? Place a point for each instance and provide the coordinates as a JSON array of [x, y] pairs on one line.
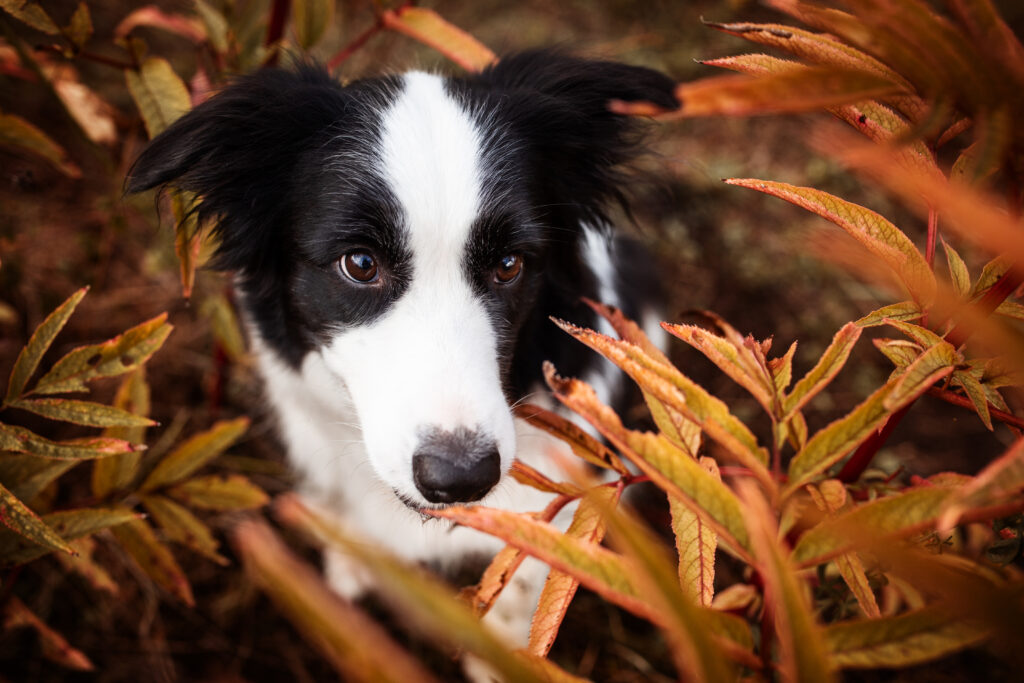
[[421, 506]]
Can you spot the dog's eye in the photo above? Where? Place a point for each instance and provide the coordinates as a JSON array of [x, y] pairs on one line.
[[508, 269], [359, 266]]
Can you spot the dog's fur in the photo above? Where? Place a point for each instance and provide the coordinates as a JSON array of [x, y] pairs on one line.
[[394, 395]]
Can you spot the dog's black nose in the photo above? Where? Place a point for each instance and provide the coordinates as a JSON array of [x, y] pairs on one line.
[[455, 467]]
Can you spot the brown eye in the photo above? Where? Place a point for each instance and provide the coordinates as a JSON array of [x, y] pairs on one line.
[[359, 266], [508, 270]]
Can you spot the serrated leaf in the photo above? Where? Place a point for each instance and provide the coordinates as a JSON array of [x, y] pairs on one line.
[[16, 516], [423, 600], [195, 452], [80, 29], [116, 356], [958, 272], [42, 338], [672, 470], [21, 440], [1001, 478], [1011, 309], [190, 28], [31, 14], [782, 369], [187, 238], [990, 274], [683, 395], [906, 310], [220, 492], [824, 371], [53, 645], [627, 329], [26, 475], [118, 471], [358, 647], [560, 588], [429, 28], [900, 351], [972, 387], [216, 26], [82, 412], [878, 235], [922, 336], [583, 445], [310, 19], [494, 579], [181, 526], [83, 564], [159, 93], [894, 516], [69, 525], [831, 496], [840, 437], [528, 476], [154, 558], [899, 641], [696, 543], [802, 653]]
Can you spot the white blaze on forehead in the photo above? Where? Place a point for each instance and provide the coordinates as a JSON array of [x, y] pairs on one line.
[[430, 361]]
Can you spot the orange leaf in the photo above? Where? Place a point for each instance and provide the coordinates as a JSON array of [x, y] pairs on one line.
[[429, 28], [55, 647]]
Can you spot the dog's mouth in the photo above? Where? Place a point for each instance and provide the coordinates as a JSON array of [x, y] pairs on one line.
[[422, 509]]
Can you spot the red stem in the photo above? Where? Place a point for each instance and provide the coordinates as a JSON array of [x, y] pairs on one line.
[[275, 30], [958, 400], [360, 40], [933, 230], [996, 294]]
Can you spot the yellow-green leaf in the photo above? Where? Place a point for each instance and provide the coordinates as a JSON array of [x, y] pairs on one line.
[[900, 351], [80, 29], [42, 338], [1011, 309], [82, 412], [187, 238], [782, 369], [906, 310], [159, 93], [976, 392], [220, 492], [181, 526], [827, 367], [118, 471], [582, 444], [836, 440], [195, 452], [224, 325], [83, 564], [16, 516], [215, 24], [900, 641], [696, 543], [990, 274], [831, 496], [116, 356], [428, 27], [21, 440], [26, 475], [32, 14], [958, 272], [154, 558], [69, 525], [310, 19], [1000, 479], [358, 647]]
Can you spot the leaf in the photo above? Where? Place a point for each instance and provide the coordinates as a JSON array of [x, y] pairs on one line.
[[899, 641], [802, 656], [215, 25], [310, 18], [16, 516], [900, 351], [958, 272], [1011, 309], [972, 387], [782, 369], [735, 360], [154, 559], [31, 14], [672, 470], [42, 338], [831, 496], [583, 445], [898, 515], [560, 588], [116, 356], [429, 28], [696, 543], [159, 93], [93, 114], [627, 329], [118, 471], [82, 563], [494, 579], [195, 452], [990, 274], [1001, 478], [220, 492], [824, 371], [69, 525], [528, 476], [190, 28], [53, 645], [80, 29], [798, 89], [181, 526], [227, 332], [906, 310], [82, 412], [836, 440], [879, 236], [427, 603], [358, 647], [26, 475], [187, 238], [682, 394], [21, 440]]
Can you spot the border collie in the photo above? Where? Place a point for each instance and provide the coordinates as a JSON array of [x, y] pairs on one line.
[[399, 244]]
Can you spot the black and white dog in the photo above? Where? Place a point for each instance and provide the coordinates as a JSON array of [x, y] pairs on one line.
[[400, 244]]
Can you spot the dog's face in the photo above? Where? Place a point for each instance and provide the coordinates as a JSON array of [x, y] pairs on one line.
[[405, 231]]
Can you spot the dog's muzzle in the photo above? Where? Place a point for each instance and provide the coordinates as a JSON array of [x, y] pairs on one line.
[[455, 467]]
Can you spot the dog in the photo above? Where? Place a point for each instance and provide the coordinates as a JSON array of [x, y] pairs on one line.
[[399, 244]]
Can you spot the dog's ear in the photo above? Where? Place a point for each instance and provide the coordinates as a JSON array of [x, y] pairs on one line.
[[237, 150], [560, 105]]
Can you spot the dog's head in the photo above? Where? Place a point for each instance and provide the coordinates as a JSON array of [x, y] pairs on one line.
[[412, 231]]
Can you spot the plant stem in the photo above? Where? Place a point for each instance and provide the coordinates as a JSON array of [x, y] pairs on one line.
[[275, 29], [958, 400], [360, 40], [933, 230]]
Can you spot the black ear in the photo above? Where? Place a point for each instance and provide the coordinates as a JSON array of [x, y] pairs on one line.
[[237, 151], [560, 104]]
